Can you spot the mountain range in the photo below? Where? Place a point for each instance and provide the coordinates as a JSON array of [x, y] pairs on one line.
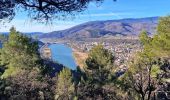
[[97, 29]]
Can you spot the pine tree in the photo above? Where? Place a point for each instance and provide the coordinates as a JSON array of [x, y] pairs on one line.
[[97, 83], [144, 38], [161, 40], [159, 44], [18, 52], [141, 77], [99, 64], [148, 67], [65, 87]]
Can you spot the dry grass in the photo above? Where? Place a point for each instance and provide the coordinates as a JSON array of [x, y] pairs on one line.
[[80, 57]]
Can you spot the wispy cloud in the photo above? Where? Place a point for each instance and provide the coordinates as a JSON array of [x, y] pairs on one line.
[[118, 15]]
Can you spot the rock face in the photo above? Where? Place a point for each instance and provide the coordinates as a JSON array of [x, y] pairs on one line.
[[107, 28]]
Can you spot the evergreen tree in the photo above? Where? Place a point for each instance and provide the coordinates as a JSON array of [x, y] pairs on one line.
[[148, 68], [19, 52], [97, 84], [159, 44], [99, 64], [141, 77], [65, 87], [144, 38], [161, 40]]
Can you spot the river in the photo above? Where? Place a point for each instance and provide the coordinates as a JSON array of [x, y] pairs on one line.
[[63, 54]]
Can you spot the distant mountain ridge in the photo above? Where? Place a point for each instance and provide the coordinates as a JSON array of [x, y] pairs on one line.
[[96, 29]]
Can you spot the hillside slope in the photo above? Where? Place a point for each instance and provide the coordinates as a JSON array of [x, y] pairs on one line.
[[97, 29]]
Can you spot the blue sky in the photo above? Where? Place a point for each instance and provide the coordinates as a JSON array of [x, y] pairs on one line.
[[108, 10]]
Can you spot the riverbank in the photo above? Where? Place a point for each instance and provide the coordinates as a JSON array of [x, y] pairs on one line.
[[80, 57], [45, 52]]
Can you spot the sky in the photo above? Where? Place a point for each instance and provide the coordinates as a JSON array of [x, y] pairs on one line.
[[108, 10]]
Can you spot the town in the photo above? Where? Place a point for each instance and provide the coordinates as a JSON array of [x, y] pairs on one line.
[[122, 48]]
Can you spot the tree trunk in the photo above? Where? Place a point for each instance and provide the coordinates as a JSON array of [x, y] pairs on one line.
[[143, 96]]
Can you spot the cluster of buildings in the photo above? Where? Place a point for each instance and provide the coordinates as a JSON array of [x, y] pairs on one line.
[[121, 49]]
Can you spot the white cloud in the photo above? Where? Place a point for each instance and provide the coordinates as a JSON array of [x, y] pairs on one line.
[[118, 15]]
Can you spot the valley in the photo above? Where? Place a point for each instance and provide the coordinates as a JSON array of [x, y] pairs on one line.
[[121, 42], [84, 50]]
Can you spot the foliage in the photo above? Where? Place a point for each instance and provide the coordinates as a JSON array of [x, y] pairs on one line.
[[96, 84], [90, 91], [2, 89], [64, 86], [99, 64], [144, 38], [43, 9], [142, 77], [147, 68], [158, 47], [159, 44], [161, 41], [29, 84], [19, 52], [7, 10]]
